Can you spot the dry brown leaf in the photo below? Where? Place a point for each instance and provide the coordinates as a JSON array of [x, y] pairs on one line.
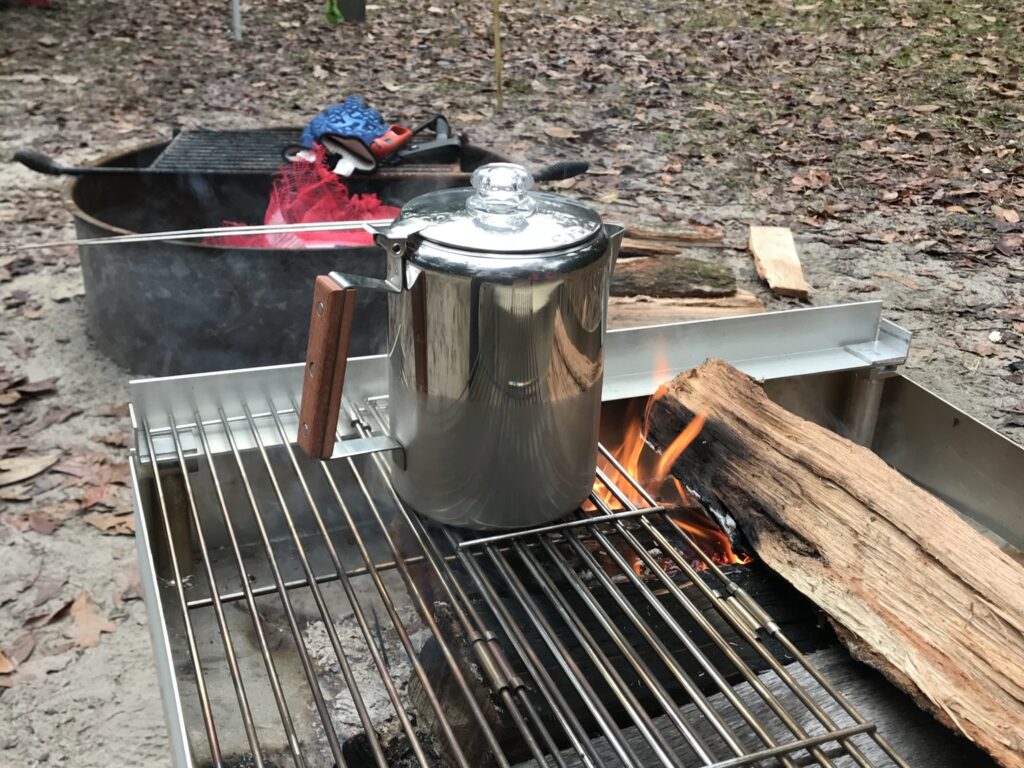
[[47, 589], [111, 524], [21, 492], [19, 468], [100, 495], [113, 411], [88, 624], [899, 279], [43, 619], [6, 665], [94, 468], [114, 439], [41, 522], [558, 132], [17, 651], [1009, 215], [41, 387], [927, 108]]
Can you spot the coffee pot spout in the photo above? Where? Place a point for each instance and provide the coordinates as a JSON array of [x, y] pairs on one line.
[[615, 234]]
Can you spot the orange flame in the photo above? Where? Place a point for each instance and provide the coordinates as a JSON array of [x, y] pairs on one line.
[[653, 471]]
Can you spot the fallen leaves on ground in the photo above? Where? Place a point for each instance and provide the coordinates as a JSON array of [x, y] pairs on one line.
[[44, 619], [113, 439], [1009, 215], [12, 656], [48, 588], [560, 132], [94, 468], [43, 519], [88, 624], [14, 470], [112, 524], [901, 279], [55, 415], [119, 411]]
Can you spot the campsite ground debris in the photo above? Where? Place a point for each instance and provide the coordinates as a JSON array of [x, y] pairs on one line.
[[718, 114]]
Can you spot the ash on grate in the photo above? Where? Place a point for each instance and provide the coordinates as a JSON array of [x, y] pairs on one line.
[[369, 683]]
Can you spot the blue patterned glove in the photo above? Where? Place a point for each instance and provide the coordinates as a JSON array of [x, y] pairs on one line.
[[350, 119]]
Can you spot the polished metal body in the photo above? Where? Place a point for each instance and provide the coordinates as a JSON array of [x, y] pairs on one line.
[[497, 313], [497, 379]]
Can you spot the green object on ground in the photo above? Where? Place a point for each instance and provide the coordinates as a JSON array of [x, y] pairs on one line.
[[333, 13]]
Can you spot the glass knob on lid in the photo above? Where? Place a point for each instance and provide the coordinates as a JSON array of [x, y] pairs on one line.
[[502, 194]]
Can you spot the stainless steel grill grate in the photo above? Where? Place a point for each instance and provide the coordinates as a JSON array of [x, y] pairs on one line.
[[322, 622], [246, 151]]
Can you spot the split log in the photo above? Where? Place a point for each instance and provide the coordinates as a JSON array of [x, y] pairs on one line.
[[776, 261], [910, 587], [635, 311], [645, 242], [672, 278]]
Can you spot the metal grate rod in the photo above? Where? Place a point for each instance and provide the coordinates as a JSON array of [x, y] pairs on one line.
[[545, 684], [713, 673], [794, 746], [674, 713], [318, 598], [697, 615], [293, 584], [480, 643], [250, 599], [193, 652], [531, 532], [742, 628], [722, 607], [568, 602], [225, 635], [357, 610], [400, 629], [564, 659], [723, 729], [307, 665], [650, 731], [454, 588]]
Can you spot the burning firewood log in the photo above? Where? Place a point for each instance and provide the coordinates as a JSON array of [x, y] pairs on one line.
[[909, 586]]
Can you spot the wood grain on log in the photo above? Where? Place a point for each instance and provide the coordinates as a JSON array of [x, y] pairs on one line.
[[634, 311], [776, 261], [912, 589], [643, 242], [672, 277]]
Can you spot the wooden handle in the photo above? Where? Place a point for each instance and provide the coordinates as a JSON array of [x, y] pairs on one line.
[[330, 326]]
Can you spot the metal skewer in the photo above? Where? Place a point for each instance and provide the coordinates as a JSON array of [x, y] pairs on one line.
[[199, 234]]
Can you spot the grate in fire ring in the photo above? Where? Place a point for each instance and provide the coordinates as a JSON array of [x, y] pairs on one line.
[[316, 621]]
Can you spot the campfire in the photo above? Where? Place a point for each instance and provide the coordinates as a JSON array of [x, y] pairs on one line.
[[637, 454]]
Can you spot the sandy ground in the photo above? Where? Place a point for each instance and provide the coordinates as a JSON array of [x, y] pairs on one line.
[[680, 111]]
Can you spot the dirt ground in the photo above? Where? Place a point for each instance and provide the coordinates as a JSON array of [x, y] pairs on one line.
[[889, 140]]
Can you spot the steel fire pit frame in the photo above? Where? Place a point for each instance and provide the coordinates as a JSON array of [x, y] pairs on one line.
[[773, 345], [785, 346]]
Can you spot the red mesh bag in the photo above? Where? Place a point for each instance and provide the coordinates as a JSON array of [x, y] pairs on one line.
[[310, 192]]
